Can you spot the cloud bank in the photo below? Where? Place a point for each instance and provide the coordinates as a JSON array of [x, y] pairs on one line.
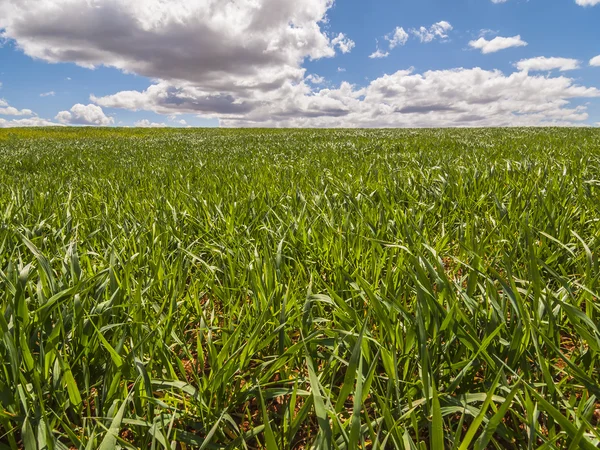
[[84, 115], [241, 62], [497, 44]]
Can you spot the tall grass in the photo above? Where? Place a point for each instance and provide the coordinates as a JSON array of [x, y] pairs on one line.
[[299, 289]]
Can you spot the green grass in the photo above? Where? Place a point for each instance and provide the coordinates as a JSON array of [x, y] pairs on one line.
[[299, 289]]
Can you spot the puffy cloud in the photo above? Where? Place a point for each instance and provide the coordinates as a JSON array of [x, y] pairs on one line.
[[341, 69], [315, 79], [165, 98], [542, 64], [499, 1], [84, 115], [497, 44], [29, 122], [7, 110], [379, 54], [595, 61], [234, 45], [174, 118], [241, 61], [436, 31], [588, 2], [344, 43], [48, 94], [398, 37], [459, 97], [147, 124]]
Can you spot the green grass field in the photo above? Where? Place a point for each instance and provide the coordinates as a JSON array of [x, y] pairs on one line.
[[287, 289]]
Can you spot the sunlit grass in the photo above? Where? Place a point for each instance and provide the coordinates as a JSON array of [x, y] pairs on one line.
[[299, 289]]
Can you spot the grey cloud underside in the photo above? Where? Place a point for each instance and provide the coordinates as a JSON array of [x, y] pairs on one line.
[[167, 99], [313, 114], [139, 51], [211, 43], [472, 119], [425, 109], [437, 98], [214, 104]]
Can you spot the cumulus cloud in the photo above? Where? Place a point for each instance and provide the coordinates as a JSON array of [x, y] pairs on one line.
[[499, 1], [241, 62], [165, 98], [145, 123], [174, 118], [588, 2], [48, 94], [315, 79], [344, 43], [7, 110], [84, 115], [459, 97], [595, 61], [398, 37], [379, 54], [542, 64], [219, 45], [29, 122], [436, 31], [497, 44]]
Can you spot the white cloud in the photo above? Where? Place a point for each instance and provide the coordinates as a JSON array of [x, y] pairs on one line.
[[147, 124], [29, 122], [166, 98], [398, 37], [588, 2], [341, 69], [459, 97], [497, 44], [233, 46], [395, 38], [379, 54], [344, 43], [595, 61], [182, 122], [84, 115], [315, 79], [436, 31], [542, 64], [499, 1], [486, 32], [7, 110], [241, 62], [48, 94]]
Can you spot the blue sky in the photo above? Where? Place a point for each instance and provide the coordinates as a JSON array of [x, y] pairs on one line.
[[301, 63]]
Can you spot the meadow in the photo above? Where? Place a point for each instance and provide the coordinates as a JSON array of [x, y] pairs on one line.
[[296, 289]]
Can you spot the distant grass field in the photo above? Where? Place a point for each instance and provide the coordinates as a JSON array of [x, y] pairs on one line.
[[299, 289]]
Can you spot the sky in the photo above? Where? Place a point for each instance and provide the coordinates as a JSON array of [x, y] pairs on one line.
[[300, 63]]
